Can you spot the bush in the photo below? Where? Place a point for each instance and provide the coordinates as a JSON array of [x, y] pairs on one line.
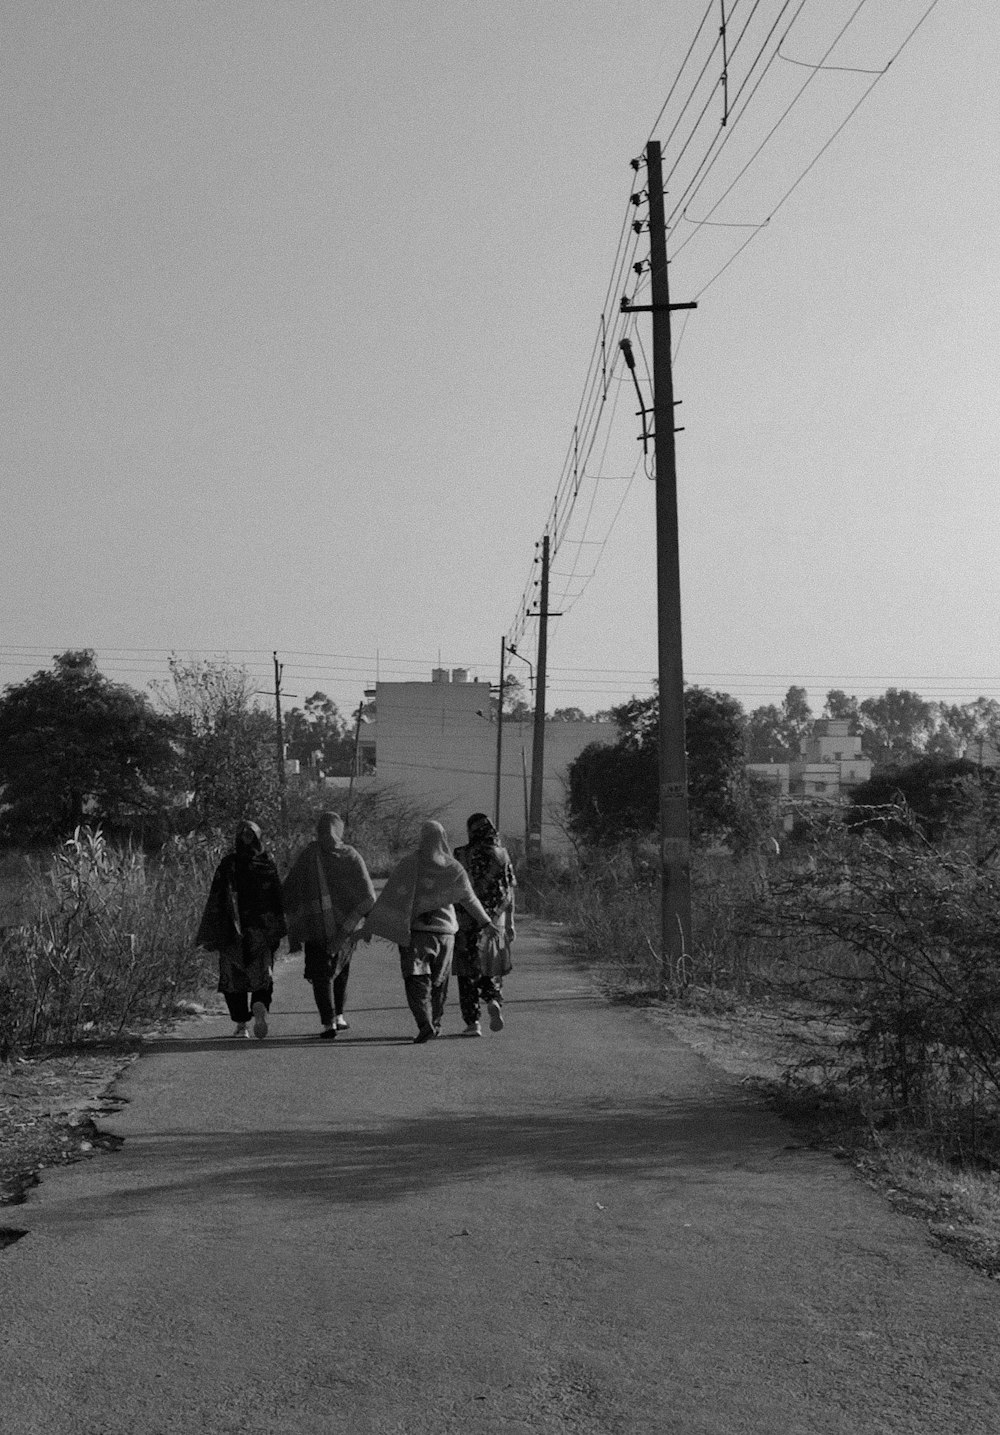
[[610, 900], [908, 934], [109, 946]]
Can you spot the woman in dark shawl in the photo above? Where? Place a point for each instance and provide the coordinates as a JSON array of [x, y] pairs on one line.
[[482, 963], [416, 911], [327, 895], [244, 921]]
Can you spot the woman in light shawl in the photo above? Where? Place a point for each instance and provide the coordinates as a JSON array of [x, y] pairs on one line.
[[327, 894], [416, 911], [244, 922], [482, 963]]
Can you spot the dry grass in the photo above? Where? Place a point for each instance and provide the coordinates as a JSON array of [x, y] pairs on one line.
[[754, 1006]]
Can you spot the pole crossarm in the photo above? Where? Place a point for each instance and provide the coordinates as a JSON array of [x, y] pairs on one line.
[[628, 308]]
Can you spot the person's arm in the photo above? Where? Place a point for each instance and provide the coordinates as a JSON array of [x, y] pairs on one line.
[[476, 910]]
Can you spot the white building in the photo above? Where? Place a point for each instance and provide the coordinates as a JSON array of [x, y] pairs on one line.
[[830, 765], [436, 743], [831, 761]]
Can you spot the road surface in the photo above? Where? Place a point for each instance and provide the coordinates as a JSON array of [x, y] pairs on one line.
[[572, 1225]]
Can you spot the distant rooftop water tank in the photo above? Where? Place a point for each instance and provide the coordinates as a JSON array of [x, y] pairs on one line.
[[439, 675], [460, 675]]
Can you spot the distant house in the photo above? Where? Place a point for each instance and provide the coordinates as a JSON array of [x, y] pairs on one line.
[[436, 742], [830, 765]]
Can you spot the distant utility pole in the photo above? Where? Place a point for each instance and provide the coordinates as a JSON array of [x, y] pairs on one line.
[[675, 841], [280, 742], [538, 732], [496, 797], [359, 718]]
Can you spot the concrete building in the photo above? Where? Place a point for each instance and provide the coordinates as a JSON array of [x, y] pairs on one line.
[[831, 762], [830, 765], [436, 743]]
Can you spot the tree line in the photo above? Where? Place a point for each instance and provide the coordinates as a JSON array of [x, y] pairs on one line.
[[897, 727], [916, 746], [198, 754]]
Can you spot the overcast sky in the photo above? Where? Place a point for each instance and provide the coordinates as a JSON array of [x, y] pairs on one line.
[[299, 296]]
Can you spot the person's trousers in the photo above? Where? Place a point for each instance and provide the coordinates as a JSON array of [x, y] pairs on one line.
[[427, 988], [330, 994], [475, 989], [241, 1003]]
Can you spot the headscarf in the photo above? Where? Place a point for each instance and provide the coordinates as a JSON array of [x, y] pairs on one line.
[[487, 863], [425, 881], [480, 828], [330, 830]]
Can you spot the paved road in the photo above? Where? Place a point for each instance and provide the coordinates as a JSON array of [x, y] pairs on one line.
[[574, 1225]]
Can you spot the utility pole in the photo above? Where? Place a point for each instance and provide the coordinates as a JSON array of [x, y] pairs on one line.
[[675, 841], [359, 718], [280, 740], [496, 799], [538, 733]]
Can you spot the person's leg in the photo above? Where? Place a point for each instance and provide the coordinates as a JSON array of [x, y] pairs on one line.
[[492, 993], [260, 1005], [324, 1000], [239, 1007], [317, 973], [468, 999], [418, 997], [340, 995], [440, 974]]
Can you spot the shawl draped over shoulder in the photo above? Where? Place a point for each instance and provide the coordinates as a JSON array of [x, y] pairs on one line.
[[245, 894], [326, 894], [427, 879]]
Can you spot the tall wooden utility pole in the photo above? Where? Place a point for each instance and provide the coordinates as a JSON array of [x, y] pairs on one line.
[[496, 797], [675, 881], [280, 743], [538, 732]]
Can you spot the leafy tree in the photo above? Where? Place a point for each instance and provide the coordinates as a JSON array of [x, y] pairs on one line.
[[76, 747], [569, 715], [319, 728], [766, 738], [839, 706], [938, 795], [614, 790], [227, 743], [964, 729], [776, 734], [896, 727]]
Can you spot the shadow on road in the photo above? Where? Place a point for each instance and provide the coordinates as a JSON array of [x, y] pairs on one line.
[[347, 1167]]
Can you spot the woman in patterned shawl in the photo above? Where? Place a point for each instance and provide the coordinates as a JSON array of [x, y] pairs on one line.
[[327, 894], [244, 921], [481, 963], [416, 911]]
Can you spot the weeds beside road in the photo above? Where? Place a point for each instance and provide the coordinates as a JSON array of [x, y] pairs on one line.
[[856, 983]]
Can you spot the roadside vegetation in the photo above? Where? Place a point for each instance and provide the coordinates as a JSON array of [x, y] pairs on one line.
[[862, 957]]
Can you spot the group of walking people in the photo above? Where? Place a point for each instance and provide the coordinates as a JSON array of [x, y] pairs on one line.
[[327, 905]]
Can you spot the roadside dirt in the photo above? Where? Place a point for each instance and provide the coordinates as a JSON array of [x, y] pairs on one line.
[[959, 1206], [50, 1110]]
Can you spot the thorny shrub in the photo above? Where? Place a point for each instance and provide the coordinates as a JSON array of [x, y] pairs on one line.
[[609, 898], [108, 946], [900, 946]]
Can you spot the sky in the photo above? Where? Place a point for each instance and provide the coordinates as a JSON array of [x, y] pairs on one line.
[[299, 300]]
